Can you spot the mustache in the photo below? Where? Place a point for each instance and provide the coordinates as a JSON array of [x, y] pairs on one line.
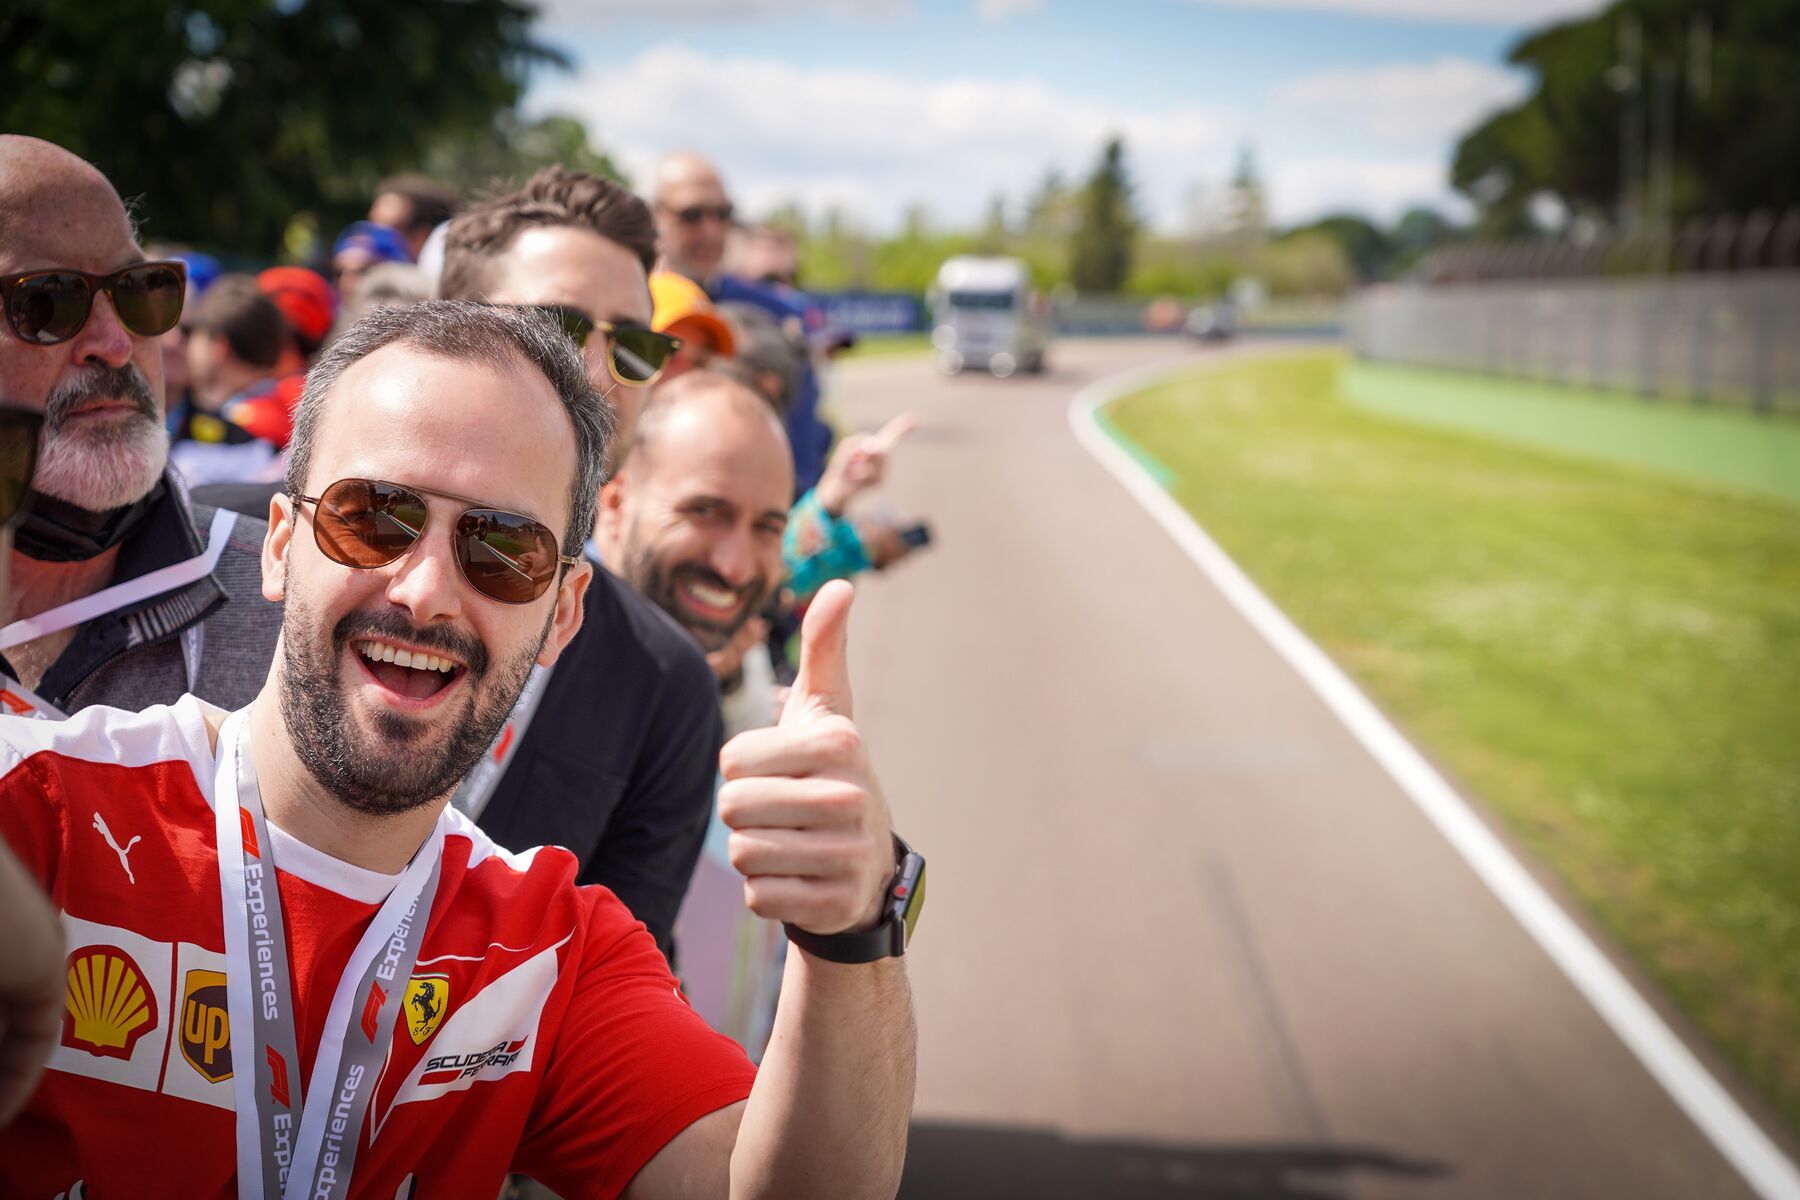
[[99, 383], [390, 624]]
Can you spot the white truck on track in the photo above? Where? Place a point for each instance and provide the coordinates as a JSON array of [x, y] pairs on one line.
[[986, 315]]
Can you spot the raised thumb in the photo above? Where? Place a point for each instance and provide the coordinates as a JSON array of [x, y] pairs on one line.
[[823, 682]]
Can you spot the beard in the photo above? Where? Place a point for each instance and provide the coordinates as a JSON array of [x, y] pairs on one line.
[[109, 463], [657, 581], [397, 765]]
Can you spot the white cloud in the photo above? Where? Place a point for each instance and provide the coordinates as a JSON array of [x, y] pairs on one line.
[[874, 142], [1510, 13], [995, 11], [1409, 102], [1302, 189]]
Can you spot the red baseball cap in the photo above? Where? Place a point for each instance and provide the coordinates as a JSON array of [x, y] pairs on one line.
[[304, 297]]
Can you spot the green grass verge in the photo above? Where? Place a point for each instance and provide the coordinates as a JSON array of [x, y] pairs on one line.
[[1605, 656], [1734, 447], [888, 345]]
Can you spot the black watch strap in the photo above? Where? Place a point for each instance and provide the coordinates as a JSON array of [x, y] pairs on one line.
[[899, 914]]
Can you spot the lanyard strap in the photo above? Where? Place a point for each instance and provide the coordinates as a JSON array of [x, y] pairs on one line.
[[123, 595], [286, 1148], [17, 700], [477, 787]]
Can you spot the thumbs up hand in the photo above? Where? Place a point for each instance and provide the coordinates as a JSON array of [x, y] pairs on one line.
[[810, 831]]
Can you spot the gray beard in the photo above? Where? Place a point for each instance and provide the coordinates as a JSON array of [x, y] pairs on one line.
[[96, 469]]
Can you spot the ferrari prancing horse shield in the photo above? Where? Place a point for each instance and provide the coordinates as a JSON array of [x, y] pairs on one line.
[[427, 996]]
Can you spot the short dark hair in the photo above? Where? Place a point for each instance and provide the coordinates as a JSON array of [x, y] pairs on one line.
[[466, 332], [432, 202], [235, 308], [554, 196]]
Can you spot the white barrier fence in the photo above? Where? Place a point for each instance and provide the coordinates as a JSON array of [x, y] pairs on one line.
[[1724, 338]]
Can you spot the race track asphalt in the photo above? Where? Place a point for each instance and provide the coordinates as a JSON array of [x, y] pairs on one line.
[[1183, 936]]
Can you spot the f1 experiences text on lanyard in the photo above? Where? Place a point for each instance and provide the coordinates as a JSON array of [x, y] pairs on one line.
[[285, 1148]]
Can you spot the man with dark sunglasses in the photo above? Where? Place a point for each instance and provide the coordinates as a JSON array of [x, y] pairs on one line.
[[694, 217], [613, 753], [290, 955], [122, 592]]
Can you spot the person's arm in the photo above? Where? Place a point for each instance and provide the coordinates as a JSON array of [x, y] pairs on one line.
[[828, 1113], [31, 967], [31, 983], [819, 547]]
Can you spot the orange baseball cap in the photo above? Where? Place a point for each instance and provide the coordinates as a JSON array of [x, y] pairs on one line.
[[682, 309]]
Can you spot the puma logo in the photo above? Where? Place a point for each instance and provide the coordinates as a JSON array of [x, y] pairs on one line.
[[100, 824]]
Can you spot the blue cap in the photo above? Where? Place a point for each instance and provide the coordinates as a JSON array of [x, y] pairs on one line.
[[202, 270], [380, 242]]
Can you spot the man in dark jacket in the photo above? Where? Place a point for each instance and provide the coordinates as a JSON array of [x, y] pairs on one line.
[[614, 754]]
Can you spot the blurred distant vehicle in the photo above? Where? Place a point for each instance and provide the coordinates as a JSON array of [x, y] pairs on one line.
[[1164, 315], [1213, 322], [987, 316]]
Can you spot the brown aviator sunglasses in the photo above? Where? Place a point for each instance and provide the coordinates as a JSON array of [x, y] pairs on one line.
[[369, 523]]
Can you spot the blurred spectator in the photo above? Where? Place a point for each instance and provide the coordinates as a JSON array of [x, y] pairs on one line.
[[695, 518], [236, 338], [105, 513], [202, 269], [617, 757], [763, 254], [767, 358], [309, 304], [693, 216], [681, 309], [414, 205], [823, 542], [568, 240], [385, 285], [361, 246]]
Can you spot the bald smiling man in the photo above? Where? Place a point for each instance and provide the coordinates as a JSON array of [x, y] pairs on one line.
[[122, 593]]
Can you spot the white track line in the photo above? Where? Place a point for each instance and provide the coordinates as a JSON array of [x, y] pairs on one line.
[[1720, 1118]]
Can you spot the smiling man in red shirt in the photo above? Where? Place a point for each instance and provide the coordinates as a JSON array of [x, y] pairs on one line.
[[292, 966]]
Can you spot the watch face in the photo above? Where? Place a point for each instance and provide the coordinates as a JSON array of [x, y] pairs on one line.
[[911, 901]]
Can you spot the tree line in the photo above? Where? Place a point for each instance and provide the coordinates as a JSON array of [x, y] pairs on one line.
[[249, 125]]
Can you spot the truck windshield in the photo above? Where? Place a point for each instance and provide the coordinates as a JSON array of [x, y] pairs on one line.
[[992, 301]]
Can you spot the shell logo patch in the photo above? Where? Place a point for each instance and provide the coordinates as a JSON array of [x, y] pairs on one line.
[[107, 1007], [427, 999], [206, 1025]]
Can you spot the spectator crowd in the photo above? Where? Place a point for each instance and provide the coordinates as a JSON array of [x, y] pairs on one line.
[[483, 579]]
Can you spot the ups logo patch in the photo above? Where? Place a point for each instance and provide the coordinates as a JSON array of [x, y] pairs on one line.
[[427, 998], [206, 1025]]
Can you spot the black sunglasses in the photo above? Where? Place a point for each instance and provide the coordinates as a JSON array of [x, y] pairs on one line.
[[19, 430], [635, 354], [52, 305], [369, 523]]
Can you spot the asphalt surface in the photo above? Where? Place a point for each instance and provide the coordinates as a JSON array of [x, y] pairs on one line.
[[1183, 936]]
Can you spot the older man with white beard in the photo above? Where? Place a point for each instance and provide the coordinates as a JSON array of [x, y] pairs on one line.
[[122, 594]]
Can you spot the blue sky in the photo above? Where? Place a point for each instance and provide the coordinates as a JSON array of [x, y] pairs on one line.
[[874, 105]]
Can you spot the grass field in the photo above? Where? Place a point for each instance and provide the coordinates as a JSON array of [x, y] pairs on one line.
[[1605, 655], [886, 345]]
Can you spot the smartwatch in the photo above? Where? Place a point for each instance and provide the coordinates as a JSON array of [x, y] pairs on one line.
[[899, 914]]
